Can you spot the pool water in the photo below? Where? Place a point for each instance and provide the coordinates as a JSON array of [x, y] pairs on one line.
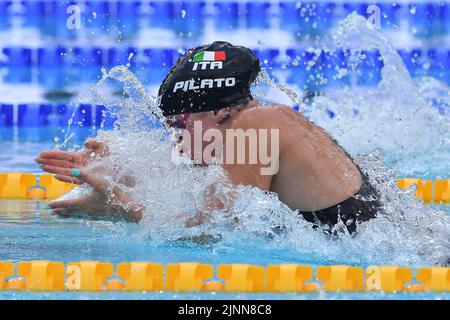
[[395, 127], [30, 233]]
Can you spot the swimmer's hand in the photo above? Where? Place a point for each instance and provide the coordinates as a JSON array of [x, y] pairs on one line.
[[61, 162], [105, 201]]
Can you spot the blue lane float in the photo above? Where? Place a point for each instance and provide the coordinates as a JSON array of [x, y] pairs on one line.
[[439, 64], [51, 56], [160, 57], [151, 64], [33, 115], [127, 21], [98, 15], [56, 115], [80, 115], [103, 119], [393, 14], [289, 12], [120, 56], [189, 19], [86, 57], [34, 13], [260, 20], [84, 117], [6, 115], [428, 18], [161, 14], [5, 21], [96, 56], [16, 57], [268, 57], [229, 15], [46, 115]]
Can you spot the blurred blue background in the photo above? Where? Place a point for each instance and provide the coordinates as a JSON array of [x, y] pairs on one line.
[[50, 51]]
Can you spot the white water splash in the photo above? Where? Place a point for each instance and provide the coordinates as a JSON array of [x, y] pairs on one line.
[[396, 117]]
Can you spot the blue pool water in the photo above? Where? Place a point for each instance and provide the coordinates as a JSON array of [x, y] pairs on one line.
[[383, 94], [29, 233]]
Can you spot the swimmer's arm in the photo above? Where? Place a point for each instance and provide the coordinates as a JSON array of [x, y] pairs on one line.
[[124, 207]]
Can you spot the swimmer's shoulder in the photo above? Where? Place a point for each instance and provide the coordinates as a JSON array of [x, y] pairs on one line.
[[266, 116]]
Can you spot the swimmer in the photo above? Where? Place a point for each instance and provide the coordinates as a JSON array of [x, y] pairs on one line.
[[209, 88]]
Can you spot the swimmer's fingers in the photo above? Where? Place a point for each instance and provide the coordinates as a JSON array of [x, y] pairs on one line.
[[57, 170], [66, 213], [64, 177], [69, 179], [80, 207], [68, 158], [73, 213], [100, 148], [55, 162], [83, 214], [69, 203], [96, 181], [58, 154]]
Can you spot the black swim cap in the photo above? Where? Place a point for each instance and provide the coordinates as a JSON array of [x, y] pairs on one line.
[[209, 77]]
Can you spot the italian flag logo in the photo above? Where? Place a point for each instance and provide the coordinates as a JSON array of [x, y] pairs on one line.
[[210, 56]]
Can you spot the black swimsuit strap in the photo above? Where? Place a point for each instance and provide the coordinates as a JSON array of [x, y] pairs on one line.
[[363, 206]]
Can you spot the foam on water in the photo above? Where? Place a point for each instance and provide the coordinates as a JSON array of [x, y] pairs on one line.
[[388, 127]]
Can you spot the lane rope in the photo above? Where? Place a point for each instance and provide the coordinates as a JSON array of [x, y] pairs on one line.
[[29, 186], [238, 277]]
